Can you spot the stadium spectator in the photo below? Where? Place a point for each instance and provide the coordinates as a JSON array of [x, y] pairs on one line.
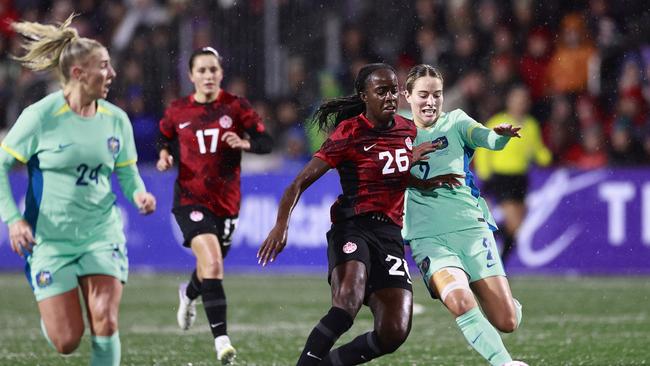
[[371, 149], [568, 69], [534, 62], [560, 131], [505, 172], [591, 153], [626, 138], [206, 133], [72, 141], [596, 37], [456, 253]]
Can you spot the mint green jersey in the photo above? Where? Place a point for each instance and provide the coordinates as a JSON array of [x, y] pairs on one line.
[[444, 210], [70, 160]]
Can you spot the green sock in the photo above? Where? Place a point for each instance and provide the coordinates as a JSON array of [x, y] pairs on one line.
[[106, 351], [482, 336], [47, 338]]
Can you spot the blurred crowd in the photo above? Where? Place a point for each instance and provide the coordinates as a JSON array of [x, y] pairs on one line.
[[585, 64]]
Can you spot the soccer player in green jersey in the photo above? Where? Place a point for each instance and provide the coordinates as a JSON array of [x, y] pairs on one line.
[[450, 228], [71, 233]]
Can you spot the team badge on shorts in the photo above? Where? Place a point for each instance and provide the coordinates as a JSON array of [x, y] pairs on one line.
[[225, 121], [349, 247], [196, 216], [113, 144], [409, 143], [43, 279]]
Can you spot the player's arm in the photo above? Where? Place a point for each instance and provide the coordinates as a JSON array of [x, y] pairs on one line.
[[128, 175], [450, 180], [20, 144], [277, 238], [166, 137], [133, 188], [259, 141], [20, 232], [165, 157], [476, 135]]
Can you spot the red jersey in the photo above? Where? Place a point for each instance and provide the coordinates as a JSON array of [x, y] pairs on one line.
[[208, 168], [373, 166]]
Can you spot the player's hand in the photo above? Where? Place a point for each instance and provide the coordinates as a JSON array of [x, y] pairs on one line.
[[234, 141], [445, 180], [20, 237], [165, 161], [506, 129], [273, 245], [146, 202], [421, 150]]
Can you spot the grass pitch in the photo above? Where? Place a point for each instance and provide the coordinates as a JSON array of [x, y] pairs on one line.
[[567, 321]]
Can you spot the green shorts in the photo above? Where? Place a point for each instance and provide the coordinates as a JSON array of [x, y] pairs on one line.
[[52, 275], [473, 250]]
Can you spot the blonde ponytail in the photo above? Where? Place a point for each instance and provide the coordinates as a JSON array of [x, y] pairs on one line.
[[53, 47]]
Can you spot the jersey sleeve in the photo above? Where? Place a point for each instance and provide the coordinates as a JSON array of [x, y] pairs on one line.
[[22, 140], [476, 135], [260, 140], [8, 210], [130, 181], [249, 118], [127, 154], [334, 149], [21, 143], [125, 164], [166, 125]]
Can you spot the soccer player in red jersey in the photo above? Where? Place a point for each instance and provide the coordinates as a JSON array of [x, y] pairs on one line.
[[207, 132], [371, 147]]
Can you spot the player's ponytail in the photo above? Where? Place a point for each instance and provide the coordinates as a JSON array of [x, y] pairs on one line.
[[332, 112], [53, 47]]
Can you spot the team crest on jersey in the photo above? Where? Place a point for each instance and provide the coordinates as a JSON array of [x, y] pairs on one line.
[[442, 142], [424, 265], [349, 247], [225, 121], [409, 143], [43, 279], [196, 216], [113, 144]]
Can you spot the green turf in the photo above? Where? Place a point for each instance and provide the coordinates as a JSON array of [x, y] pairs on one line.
[[567, 321]]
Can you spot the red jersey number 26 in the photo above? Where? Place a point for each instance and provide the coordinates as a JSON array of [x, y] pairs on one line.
[[211, 136], [400, 158]]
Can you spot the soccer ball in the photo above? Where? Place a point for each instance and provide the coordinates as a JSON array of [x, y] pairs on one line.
[[515, 363]]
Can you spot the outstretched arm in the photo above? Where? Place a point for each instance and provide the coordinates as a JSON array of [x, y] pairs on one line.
[[277, 238], [495, 139]]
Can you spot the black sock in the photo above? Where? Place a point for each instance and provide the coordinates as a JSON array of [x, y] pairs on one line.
[[194, 287], [361, 350], [214, 303], [324, 335]]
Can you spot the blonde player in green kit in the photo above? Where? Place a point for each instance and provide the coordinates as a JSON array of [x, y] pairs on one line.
[[450, 228], [71, 233]]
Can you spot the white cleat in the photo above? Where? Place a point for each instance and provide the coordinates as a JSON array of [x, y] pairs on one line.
[[515, 363], [186, 314], [226, 353]]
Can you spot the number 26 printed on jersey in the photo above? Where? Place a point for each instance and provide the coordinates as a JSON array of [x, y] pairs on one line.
[[400, 158]]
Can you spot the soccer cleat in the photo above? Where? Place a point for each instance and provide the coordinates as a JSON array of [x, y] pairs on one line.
[[515, 363], [186, 314], [226, 353]]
